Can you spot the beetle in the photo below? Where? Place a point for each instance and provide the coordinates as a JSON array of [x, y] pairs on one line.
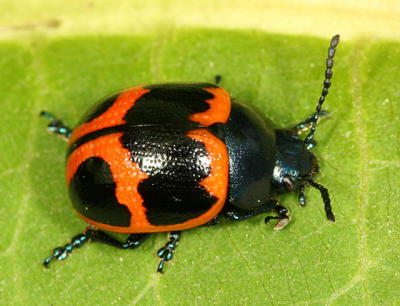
[[170, 157]]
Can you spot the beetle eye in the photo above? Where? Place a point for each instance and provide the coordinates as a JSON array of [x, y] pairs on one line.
[[289, 182]]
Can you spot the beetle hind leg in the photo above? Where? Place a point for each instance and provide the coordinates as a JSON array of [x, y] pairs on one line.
[[132, 242], [56, 126], [283, 215], [167, 252], [61, 253], [90, 234]]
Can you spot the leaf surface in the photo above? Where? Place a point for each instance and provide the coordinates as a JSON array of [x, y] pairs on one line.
[[312, 261]]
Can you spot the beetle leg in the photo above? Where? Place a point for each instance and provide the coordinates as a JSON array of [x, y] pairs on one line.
[[132, 242], [56, 126], [306, 124], [283, 218], [236, 214], [60, 253], [217, 79], [302, 197], [167, 252], [214, 221]]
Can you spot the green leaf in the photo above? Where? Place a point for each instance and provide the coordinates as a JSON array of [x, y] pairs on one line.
[[312, 261]]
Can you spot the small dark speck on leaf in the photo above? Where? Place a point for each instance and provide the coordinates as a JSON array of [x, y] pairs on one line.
[[53, 23], [49, 23]]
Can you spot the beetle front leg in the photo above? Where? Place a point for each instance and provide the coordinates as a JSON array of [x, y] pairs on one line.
[[236, 214], [56, 126], [283, 218], [306, 124]]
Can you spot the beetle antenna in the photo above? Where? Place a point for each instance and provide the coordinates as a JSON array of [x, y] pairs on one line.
[[327, 84], [325, 197]]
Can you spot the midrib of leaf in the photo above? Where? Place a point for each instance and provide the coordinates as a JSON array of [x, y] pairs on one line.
[[357, 80], [361, 48], [157, 52]]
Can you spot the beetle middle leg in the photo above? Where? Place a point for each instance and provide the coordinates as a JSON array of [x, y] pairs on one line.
[[167, 252], [214, 221]]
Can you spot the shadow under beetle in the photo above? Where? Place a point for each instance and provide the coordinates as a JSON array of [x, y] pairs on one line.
[[169, 157]]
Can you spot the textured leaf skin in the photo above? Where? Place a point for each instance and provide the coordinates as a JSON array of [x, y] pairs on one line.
[[312, 261]]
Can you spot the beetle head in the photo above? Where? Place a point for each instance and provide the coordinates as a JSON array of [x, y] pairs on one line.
[[296, 167], [294, 162]]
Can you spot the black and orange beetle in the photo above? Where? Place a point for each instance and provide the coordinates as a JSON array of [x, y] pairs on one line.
[[169, 157]]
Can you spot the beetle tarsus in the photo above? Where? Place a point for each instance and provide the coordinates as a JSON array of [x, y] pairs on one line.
[[60, 253], [283, 216], [166, 253], [56, 126]]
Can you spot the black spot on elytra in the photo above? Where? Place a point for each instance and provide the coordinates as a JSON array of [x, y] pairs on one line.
[[175, 163], [92, 192], [155, 135], [170, 104]]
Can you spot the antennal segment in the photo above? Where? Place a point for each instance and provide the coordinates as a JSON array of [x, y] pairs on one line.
[[327, 84]]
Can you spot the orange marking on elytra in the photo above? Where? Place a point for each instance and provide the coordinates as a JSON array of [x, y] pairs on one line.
[[113, 116], [127, 175], [219, 111], [217, 182]]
